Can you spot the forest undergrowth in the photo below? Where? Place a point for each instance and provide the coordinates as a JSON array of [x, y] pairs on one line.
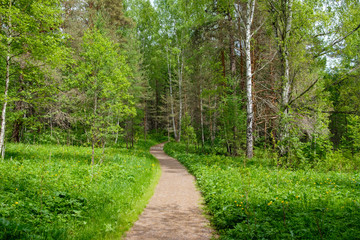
[[53, 192], [262, 201]]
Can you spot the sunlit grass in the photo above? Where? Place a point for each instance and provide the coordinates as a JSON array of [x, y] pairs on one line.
[[260, 202], [53, 192]]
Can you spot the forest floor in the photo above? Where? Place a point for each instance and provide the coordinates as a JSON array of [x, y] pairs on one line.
[[174, 211]]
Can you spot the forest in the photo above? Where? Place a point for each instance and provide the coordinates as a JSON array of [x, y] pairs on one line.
[[243, 90]]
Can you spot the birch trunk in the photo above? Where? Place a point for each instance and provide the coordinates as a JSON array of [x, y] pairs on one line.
[[284, 108], [283, 49], [7, 80], [181, 67], [250, 113], [171, 95]]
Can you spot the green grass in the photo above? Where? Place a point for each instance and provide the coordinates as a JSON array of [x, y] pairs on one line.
[[52, 192], [263, 202]]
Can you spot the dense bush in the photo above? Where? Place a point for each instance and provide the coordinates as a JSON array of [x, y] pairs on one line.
[[52, 192], [263, 202]]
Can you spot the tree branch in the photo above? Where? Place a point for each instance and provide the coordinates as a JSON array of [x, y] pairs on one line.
[[333, 112], [258, 28], [324, 51], [304, 92], [262, 67], [343, 78]]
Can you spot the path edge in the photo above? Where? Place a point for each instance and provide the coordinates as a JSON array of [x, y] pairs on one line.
[[147, 195], [201, 204]]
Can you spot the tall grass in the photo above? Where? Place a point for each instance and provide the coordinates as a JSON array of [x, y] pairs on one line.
[[53, 192]]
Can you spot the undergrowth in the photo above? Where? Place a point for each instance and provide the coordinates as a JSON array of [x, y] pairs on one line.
[[53, 192], [265, 202]]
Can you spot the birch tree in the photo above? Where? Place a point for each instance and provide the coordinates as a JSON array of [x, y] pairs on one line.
[[299, 39], [180, 58], [247, 17], [30, 28], [282, 24], [8, 41], [168, 59]]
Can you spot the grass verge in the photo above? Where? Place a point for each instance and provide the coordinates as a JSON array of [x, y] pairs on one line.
[[52, 192], [263, 202]]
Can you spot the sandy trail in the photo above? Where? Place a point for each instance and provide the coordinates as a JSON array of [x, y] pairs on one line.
[[174, 210]]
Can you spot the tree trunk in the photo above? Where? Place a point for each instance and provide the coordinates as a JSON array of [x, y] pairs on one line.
[[7, 80], [156, 104], [232, 49], [282, 32], [181, 69], [250, 113], [284, 108], [171, 95]]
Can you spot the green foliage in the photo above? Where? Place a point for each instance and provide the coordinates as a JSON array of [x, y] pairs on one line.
[[261, 202], [31, 37], [308, 139], [101, 79], [354, 132], [52, 192], [339, 160], [34, 28], [188, 132], [232, 121]]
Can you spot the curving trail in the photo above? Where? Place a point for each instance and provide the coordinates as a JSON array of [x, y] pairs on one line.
[[174, 210]]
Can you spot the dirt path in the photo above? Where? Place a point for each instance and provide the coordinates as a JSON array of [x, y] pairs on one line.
[[173, 212]]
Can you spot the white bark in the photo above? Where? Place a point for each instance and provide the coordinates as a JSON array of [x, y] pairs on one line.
[[249, 108], [7, 80], [286, 81], [171, 94], [181, 69], [286, 77]]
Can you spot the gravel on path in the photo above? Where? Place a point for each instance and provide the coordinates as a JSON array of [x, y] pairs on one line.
[[173, 212]]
